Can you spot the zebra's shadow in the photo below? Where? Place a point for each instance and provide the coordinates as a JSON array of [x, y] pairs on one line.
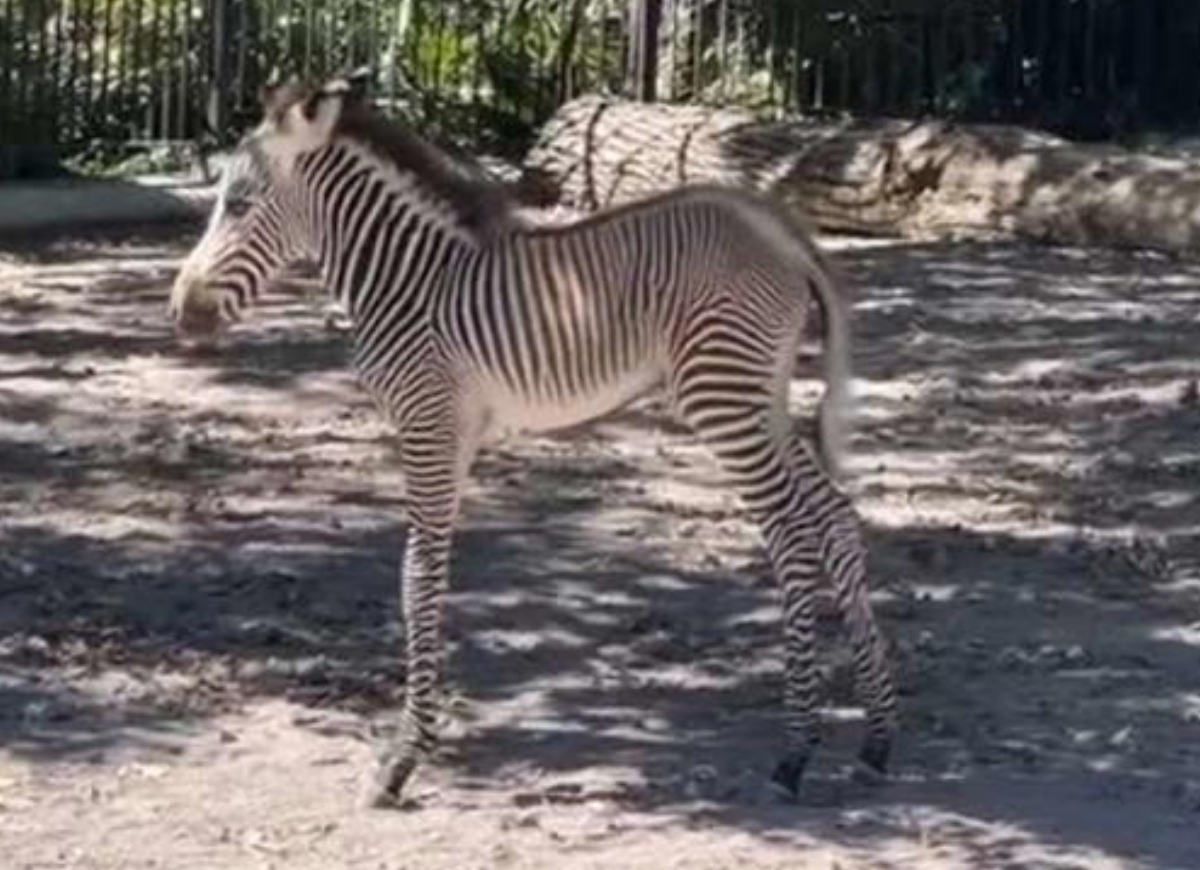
[[612, 632]]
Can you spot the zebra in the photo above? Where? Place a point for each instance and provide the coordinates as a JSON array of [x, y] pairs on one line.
[[470, 323]]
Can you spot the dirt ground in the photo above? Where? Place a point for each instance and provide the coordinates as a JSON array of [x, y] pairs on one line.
[[198, 579]]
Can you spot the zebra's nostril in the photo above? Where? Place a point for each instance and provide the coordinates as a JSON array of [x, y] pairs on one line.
[[197, 315]]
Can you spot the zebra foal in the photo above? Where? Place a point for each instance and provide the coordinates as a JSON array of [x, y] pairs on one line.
[[468, 324]]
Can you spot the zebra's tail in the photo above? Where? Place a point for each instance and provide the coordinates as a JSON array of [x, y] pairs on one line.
[[789, 234], [833, 414]]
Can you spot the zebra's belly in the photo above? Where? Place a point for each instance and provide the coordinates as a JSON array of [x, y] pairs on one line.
[[511, 413]]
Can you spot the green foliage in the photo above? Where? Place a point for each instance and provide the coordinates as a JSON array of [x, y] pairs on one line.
[[81, 75]]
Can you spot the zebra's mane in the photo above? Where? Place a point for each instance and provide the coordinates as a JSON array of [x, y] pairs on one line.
[[481, 203]]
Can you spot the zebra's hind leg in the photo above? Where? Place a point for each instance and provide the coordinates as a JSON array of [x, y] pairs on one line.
[[730, 404], [434, 463], [843, 555]]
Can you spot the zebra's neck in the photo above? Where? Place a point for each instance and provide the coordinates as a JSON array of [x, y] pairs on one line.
[[379, 234]]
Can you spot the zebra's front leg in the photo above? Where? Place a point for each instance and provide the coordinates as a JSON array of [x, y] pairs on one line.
[[424, 584], [435, 470]]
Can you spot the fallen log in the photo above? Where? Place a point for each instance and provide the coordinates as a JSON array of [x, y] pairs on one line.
[[884, 177]]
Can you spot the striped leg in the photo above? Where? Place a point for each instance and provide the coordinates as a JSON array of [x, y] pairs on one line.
[[843, 555], [434, 464], [725, 390]]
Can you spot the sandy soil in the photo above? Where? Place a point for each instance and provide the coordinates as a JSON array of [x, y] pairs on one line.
[[198, 615]]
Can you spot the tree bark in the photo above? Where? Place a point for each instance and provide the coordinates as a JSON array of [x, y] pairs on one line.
[[883, 177]]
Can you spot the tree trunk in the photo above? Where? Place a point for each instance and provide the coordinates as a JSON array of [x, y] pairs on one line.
[[885, 177]]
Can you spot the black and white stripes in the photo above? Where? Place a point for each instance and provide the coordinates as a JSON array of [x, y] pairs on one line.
[[468, 324]]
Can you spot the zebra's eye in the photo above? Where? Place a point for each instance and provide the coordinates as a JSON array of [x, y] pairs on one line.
[[237, 206]]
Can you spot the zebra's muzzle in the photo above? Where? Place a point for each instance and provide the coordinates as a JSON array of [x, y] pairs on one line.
[[196, 310]]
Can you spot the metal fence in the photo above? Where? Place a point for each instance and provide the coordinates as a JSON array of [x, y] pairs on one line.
[[80, 74], [74, 73]]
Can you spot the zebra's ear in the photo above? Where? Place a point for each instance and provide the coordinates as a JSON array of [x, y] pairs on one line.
[[359, 83], [277, 94], [310, 123]]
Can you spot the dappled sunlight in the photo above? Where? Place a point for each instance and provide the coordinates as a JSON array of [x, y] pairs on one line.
[[194, 537]]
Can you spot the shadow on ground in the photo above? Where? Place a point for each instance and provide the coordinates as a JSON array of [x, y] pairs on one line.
[[183, 533]]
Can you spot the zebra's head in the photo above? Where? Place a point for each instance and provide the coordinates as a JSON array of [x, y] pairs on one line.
[[257, 226]]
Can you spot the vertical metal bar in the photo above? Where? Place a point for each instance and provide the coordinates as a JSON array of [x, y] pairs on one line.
[[121, 95], [309, 30], [64, 53], [969, 43], [120, 89], [477, 105], [944, 62], [287, 57], [722, 49], [373, 42], [1041, 42], [168, 72], [674, 61], [89, 75], [1064, 52], [1016, 46], [345, 38], [1144, 57], [798, 99], [913, 35], [395, 48], [820, 42], [6, 71], [38, 109], [243, 24], [41, 65], [435, 79], [846, 74], [135, 56], [6, 74], [154, 69], [20, 32], [602, 66], [773, 56], [477, 66], [568, 33], [1089, 48], [184, 102], [642, 73], [330, 20], [218, 102], [415, 23], [870, 94]]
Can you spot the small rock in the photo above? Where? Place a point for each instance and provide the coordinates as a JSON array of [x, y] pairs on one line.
[[1075, 655], [905, 606], [1187, 794], [1122, 738], [1189, 396], [1012, 658], [524, 820], [701, 782]]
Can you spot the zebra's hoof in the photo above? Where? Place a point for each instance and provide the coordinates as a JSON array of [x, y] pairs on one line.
[[788, 773], [385, 787], [873, 761]]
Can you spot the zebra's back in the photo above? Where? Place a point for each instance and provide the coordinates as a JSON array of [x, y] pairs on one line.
[[556, 326]]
